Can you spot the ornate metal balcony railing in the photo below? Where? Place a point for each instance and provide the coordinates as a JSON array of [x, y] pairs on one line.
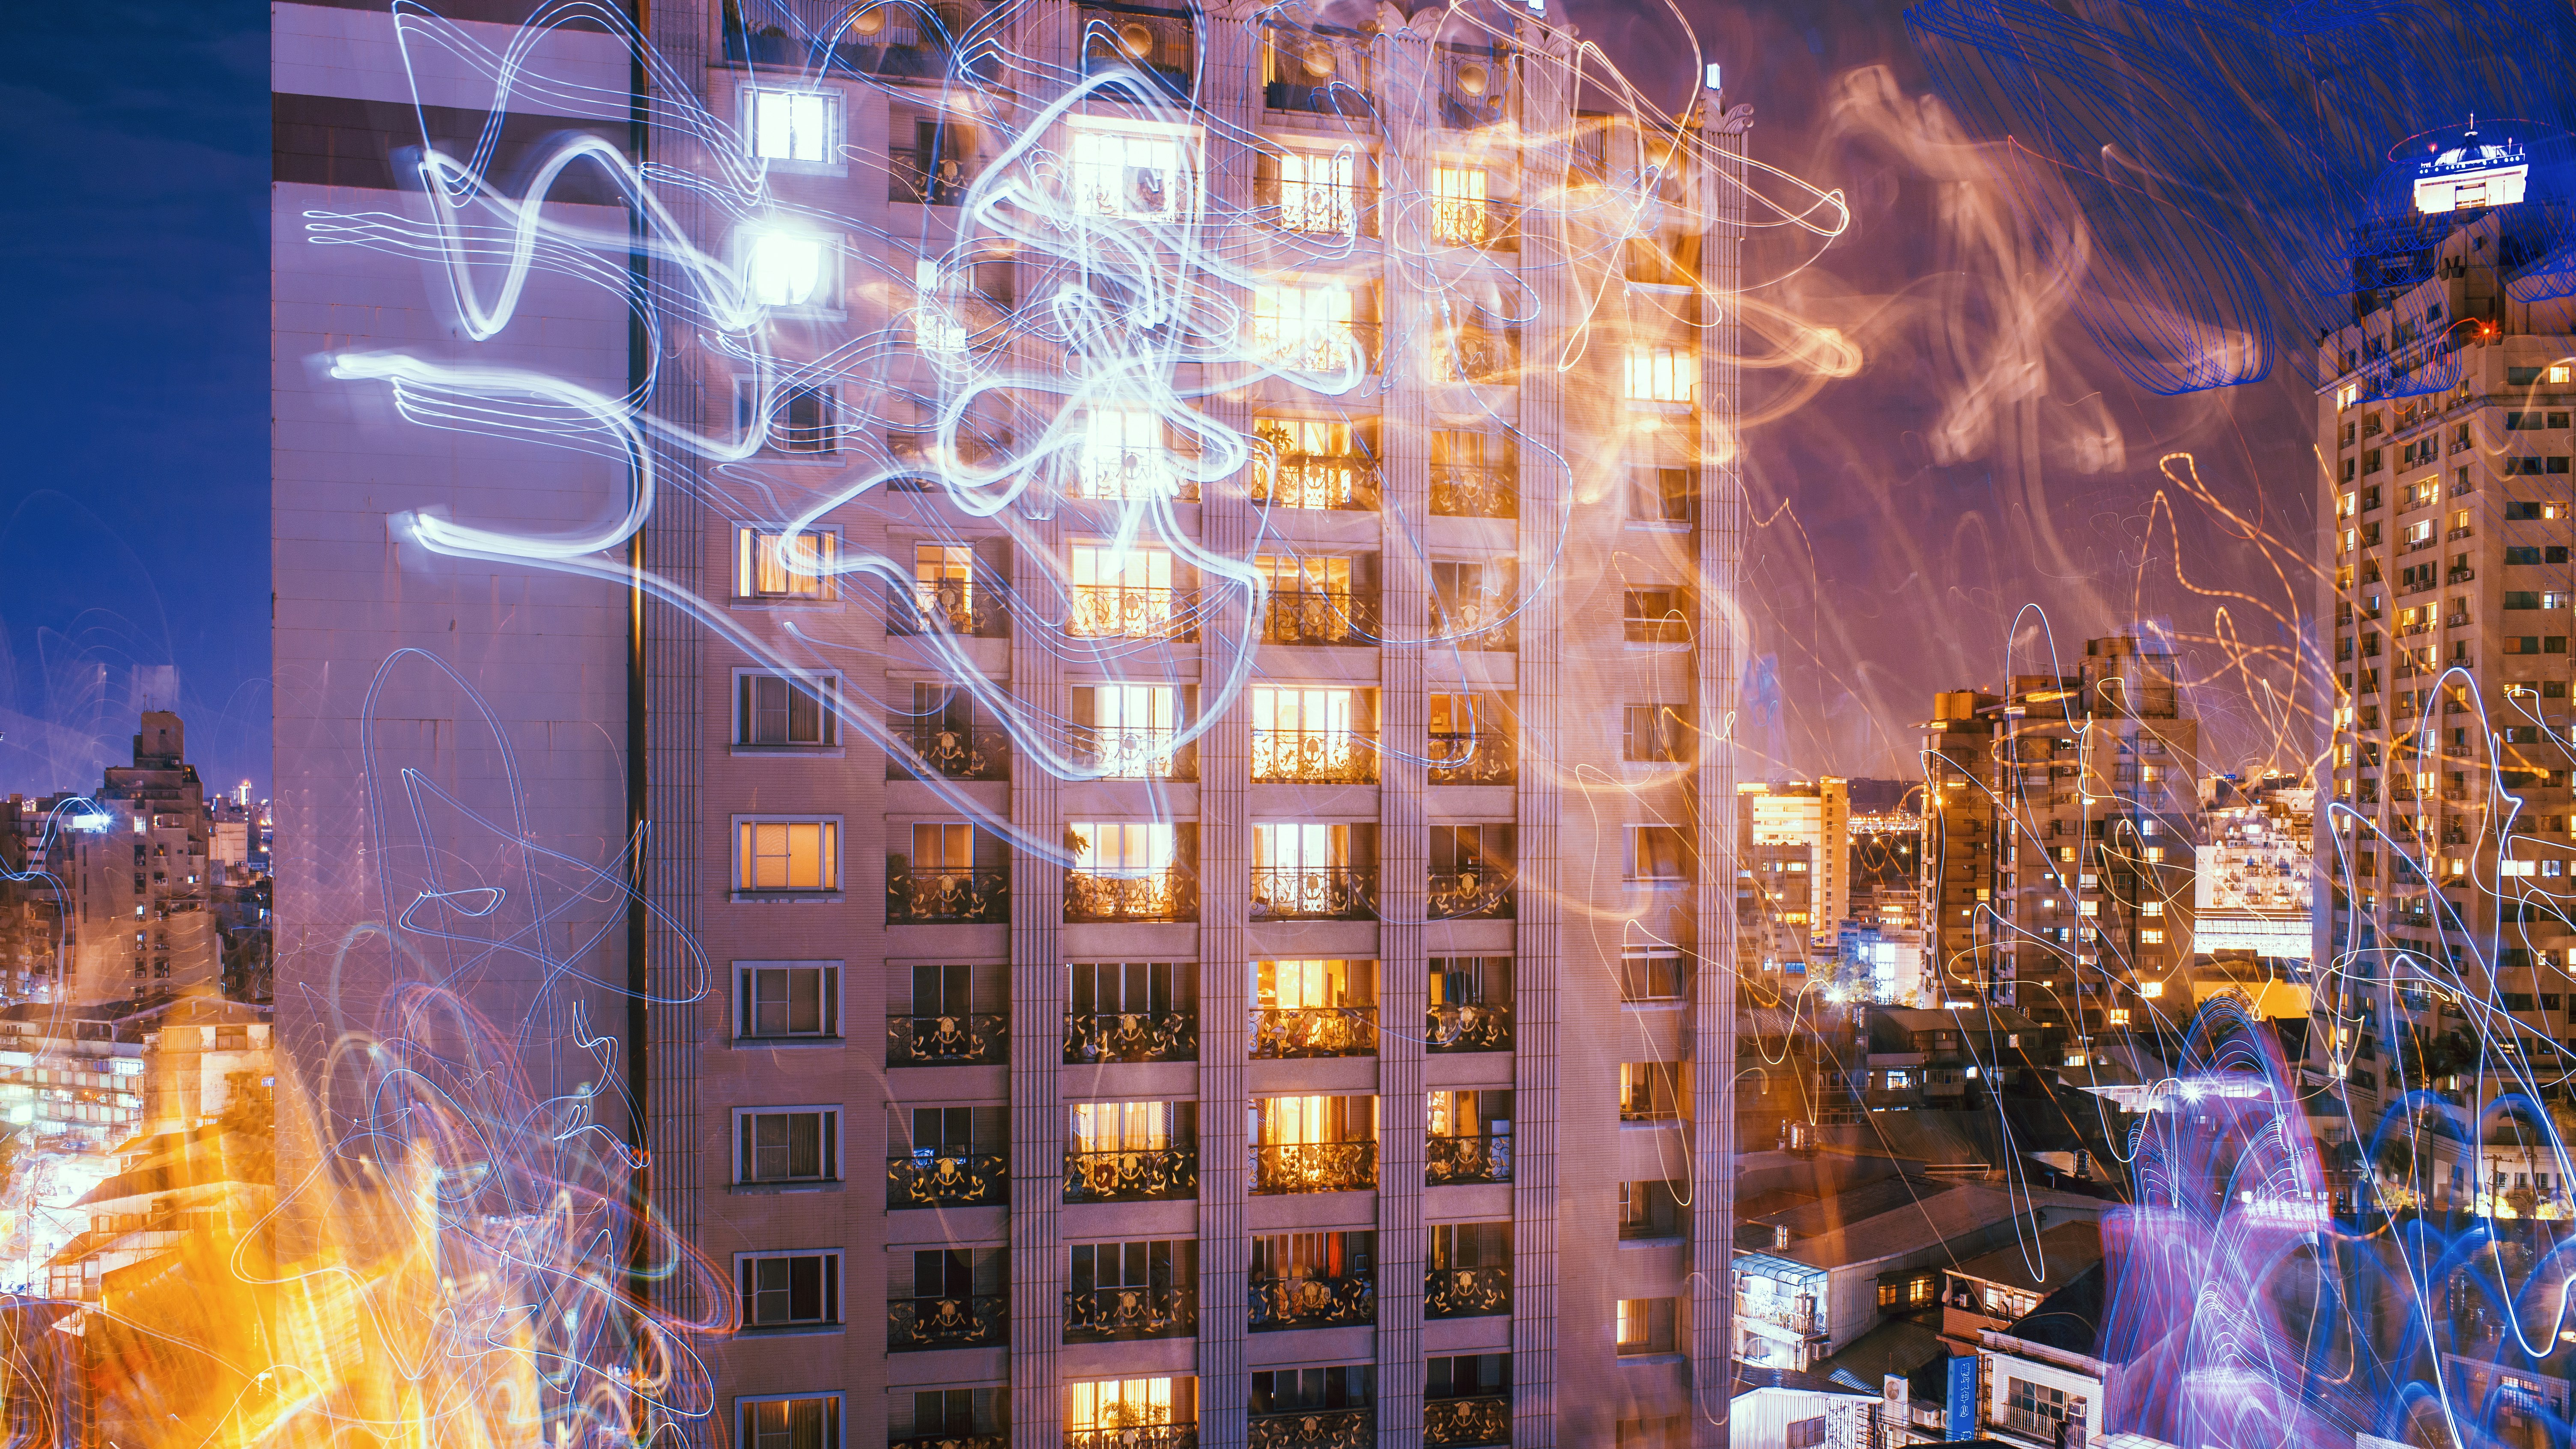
[[1472, 221], [978, 1039], [1453, 1161], [1135, 754], [1461, 1423], [1471, 895], [1163, 895], [1345, 1302], [1314, 1167], [1319, 616], [1091, 1038], [955, 606], [1134, 473], [1313, 757], [1467, 1027], [1484, 757], [1325, 1031], [1319, 893], [1466, 1292], [1461, 490], [1154, 1174], [980, 753], [1109, 611], [1135, 1436], [1112, 1315], [1474, 355], [1315, 481], [1324, 347], [952, 1441], [1312, 1429], [948, 1179], [915, 1324], [977, 895], [1483, 622], [1316, 208]]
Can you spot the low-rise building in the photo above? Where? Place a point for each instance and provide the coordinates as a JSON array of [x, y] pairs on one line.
[[1996, 1290]]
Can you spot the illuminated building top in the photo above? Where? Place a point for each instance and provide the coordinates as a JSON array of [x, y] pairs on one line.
[[2471, 175]]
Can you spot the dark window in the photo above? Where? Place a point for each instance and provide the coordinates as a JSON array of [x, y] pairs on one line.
[[791, 1001], [1665, 495], [1806, 1433], [1467, 1376], [1310, 1390], [801, 419], [2519, 555], [785, 1289], [1650, 973], [1658, 616], [1659, 733], [775, 710]]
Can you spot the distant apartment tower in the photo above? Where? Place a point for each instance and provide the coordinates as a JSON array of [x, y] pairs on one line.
[[136, 874], [2253, 890], [1815, 815], [1310, 1071], [2442, 430], [2058, 843]]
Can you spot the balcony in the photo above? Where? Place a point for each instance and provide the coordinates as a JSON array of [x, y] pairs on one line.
[[1328, 349], [1473, 221], [926, 181], [1294, 1167], [1135, 1436], [947, 895], [1120, 1315], [1313, 757], [1319, 617], [945, 1178], [982, 1039], [1475, 354], [1466, 1292], [1483, 622], [1318, 893], [1470, 895], [1311, 1302], [1110, 611], [1160, 1174], [952, 1441], [1164, 48], [1129, 474], [1135, 754], [1461, 1423], [952, 606], [981, 752], [1163, 895], [1464, 491], [1092, 1038], [1467, 1027], [1315, 208], [1281, 1033], [1317, 482], [1313, 1429], [1456, 1161], [1473, 758], [917, 1324]]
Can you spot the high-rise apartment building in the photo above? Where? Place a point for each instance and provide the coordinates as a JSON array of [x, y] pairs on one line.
[[1182, 868], [2059, 829], [2444, 445], [1814, 815]]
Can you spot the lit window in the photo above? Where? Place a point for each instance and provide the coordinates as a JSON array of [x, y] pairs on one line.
[[2151, 989], [1661, 374], [2347, 395], [1317, 193], [1123, 456], [2152, 908], [789, 125], [2558, 372], [1123, 1404], [787, 855], [1120, 848], [767, 565], [1123, 173], [1304, 327], [807, 1423], [2152, 937], [1459, 216], [786, 269]]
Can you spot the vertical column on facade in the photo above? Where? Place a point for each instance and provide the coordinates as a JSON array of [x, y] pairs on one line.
[[679, 1005], [1546, 482], [1231, 60], [1038, 1266], [1403, 837], [1719, 180]]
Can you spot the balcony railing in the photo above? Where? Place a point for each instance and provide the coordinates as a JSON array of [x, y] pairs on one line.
[[915, 1324], [1316, 481], [1135, 754], [1319, 616], [1475, 355], [1463, 491], [1317, 893], [1329, 348], [1135, 1436], [1313, 757], [1312, 1429], [1483, 622], [1472, 221], [1295, 1167], [952, 1441], [1466, 1292], [1478, 1026], [1154, 1174], [1317, 208], [1318, 1302], [978, 1039], [1113, 1315], [1470, 895], [1163, 895], [1133, 473], [1110, 611], [941, 181], [976, 895], [948, 1179], [1473, 758], [953, 606], [1462, 1423], [1324, 1031], [1091, 1038], [1454, 1161], [1323, 100], [2043, 1427], [980, 753]]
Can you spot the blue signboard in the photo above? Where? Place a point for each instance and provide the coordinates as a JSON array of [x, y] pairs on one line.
[[1963, 1398]]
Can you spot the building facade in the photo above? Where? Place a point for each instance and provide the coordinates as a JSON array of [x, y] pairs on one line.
[[1306, 847]]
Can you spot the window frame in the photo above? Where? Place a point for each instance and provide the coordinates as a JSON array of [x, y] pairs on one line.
[[831, 853], [774, 427], [829, 1143], [836, 133], [827, 581], [834, 1425], [827, 711], [835, 1286], [831, 269], [745, 1007]]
